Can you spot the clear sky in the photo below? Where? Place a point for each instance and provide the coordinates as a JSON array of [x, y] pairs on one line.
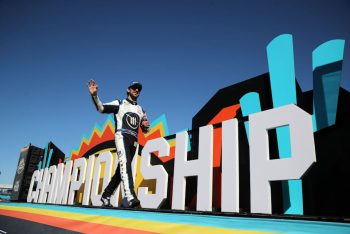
[[182, 51]]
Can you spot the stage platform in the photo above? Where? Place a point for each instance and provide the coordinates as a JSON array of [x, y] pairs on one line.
[[41, 218]]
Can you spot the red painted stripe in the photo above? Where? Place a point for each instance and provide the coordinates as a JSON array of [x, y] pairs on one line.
[[69, 224]]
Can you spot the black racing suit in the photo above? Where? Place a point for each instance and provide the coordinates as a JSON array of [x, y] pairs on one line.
[[128, 116]]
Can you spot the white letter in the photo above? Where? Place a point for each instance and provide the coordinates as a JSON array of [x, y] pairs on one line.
[[62, 183], [40, 185], [87, 187], [157, 172], [107, 158], [49, 184], [32, 194], [202, 168], [51, 187], [79, 166], [230, 167], [263, 170], [58, 181]]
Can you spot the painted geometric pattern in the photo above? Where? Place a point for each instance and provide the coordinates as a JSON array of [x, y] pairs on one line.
[[87, 220]]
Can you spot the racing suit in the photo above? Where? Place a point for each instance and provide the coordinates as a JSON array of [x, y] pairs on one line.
[[128, 116]]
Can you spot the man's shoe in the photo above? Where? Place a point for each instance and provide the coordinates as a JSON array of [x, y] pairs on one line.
[[130, 204], [134, 203], [106, 201]]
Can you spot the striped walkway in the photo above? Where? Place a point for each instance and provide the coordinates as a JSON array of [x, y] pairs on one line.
[[97, 220]]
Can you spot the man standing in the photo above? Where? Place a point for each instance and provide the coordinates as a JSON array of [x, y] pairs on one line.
[[128, 117]]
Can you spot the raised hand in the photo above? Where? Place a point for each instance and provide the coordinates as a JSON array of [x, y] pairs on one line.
[[93, 87]]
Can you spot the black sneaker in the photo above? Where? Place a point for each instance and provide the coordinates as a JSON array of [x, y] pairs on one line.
[[106, 201], [134, 203], [130, 204]]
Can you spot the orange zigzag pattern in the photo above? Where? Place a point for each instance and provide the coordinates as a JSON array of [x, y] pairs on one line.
[[106, 133]]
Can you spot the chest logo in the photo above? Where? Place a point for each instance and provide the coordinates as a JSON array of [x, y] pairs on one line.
[[131, 120]]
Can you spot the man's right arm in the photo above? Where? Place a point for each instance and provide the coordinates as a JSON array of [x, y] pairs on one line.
[[111, 107], [98, 104]]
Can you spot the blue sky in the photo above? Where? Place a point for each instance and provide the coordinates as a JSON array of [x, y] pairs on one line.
[[182, 51]]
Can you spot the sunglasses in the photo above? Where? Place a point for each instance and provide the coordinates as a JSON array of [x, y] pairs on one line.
[[136, 87]]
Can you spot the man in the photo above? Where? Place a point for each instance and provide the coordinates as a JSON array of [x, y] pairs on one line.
[[128, 116]]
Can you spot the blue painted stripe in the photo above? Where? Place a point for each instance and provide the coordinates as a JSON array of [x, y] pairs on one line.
[[328, 52], [254, 224], [42, 164], [281, 68], [161, 119], [250, 104], [39, 165], [326, 83], [283, 89], [49, 158]]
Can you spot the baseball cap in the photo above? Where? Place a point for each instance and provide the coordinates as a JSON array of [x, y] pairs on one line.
[[135, 84]]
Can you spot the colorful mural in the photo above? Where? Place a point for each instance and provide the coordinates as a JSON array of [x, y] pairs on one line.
[[86, 220], [328, 104]]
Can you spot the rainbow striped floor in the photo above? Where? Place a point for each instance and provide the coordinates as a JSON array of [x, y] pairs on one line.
[[97, 220]]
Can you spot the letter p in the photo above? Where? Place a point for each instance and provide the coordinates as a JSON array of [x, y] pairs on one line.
[[262, 169]]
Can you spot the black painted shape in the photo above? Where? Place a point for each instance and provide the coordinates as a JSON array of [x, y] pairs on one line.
[[57, 154], [230, 95], [326, 184], [17, 225]]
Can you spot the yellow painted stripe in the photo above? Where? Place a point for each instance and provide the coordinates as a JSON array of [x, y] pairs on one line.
[[143, 225]]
